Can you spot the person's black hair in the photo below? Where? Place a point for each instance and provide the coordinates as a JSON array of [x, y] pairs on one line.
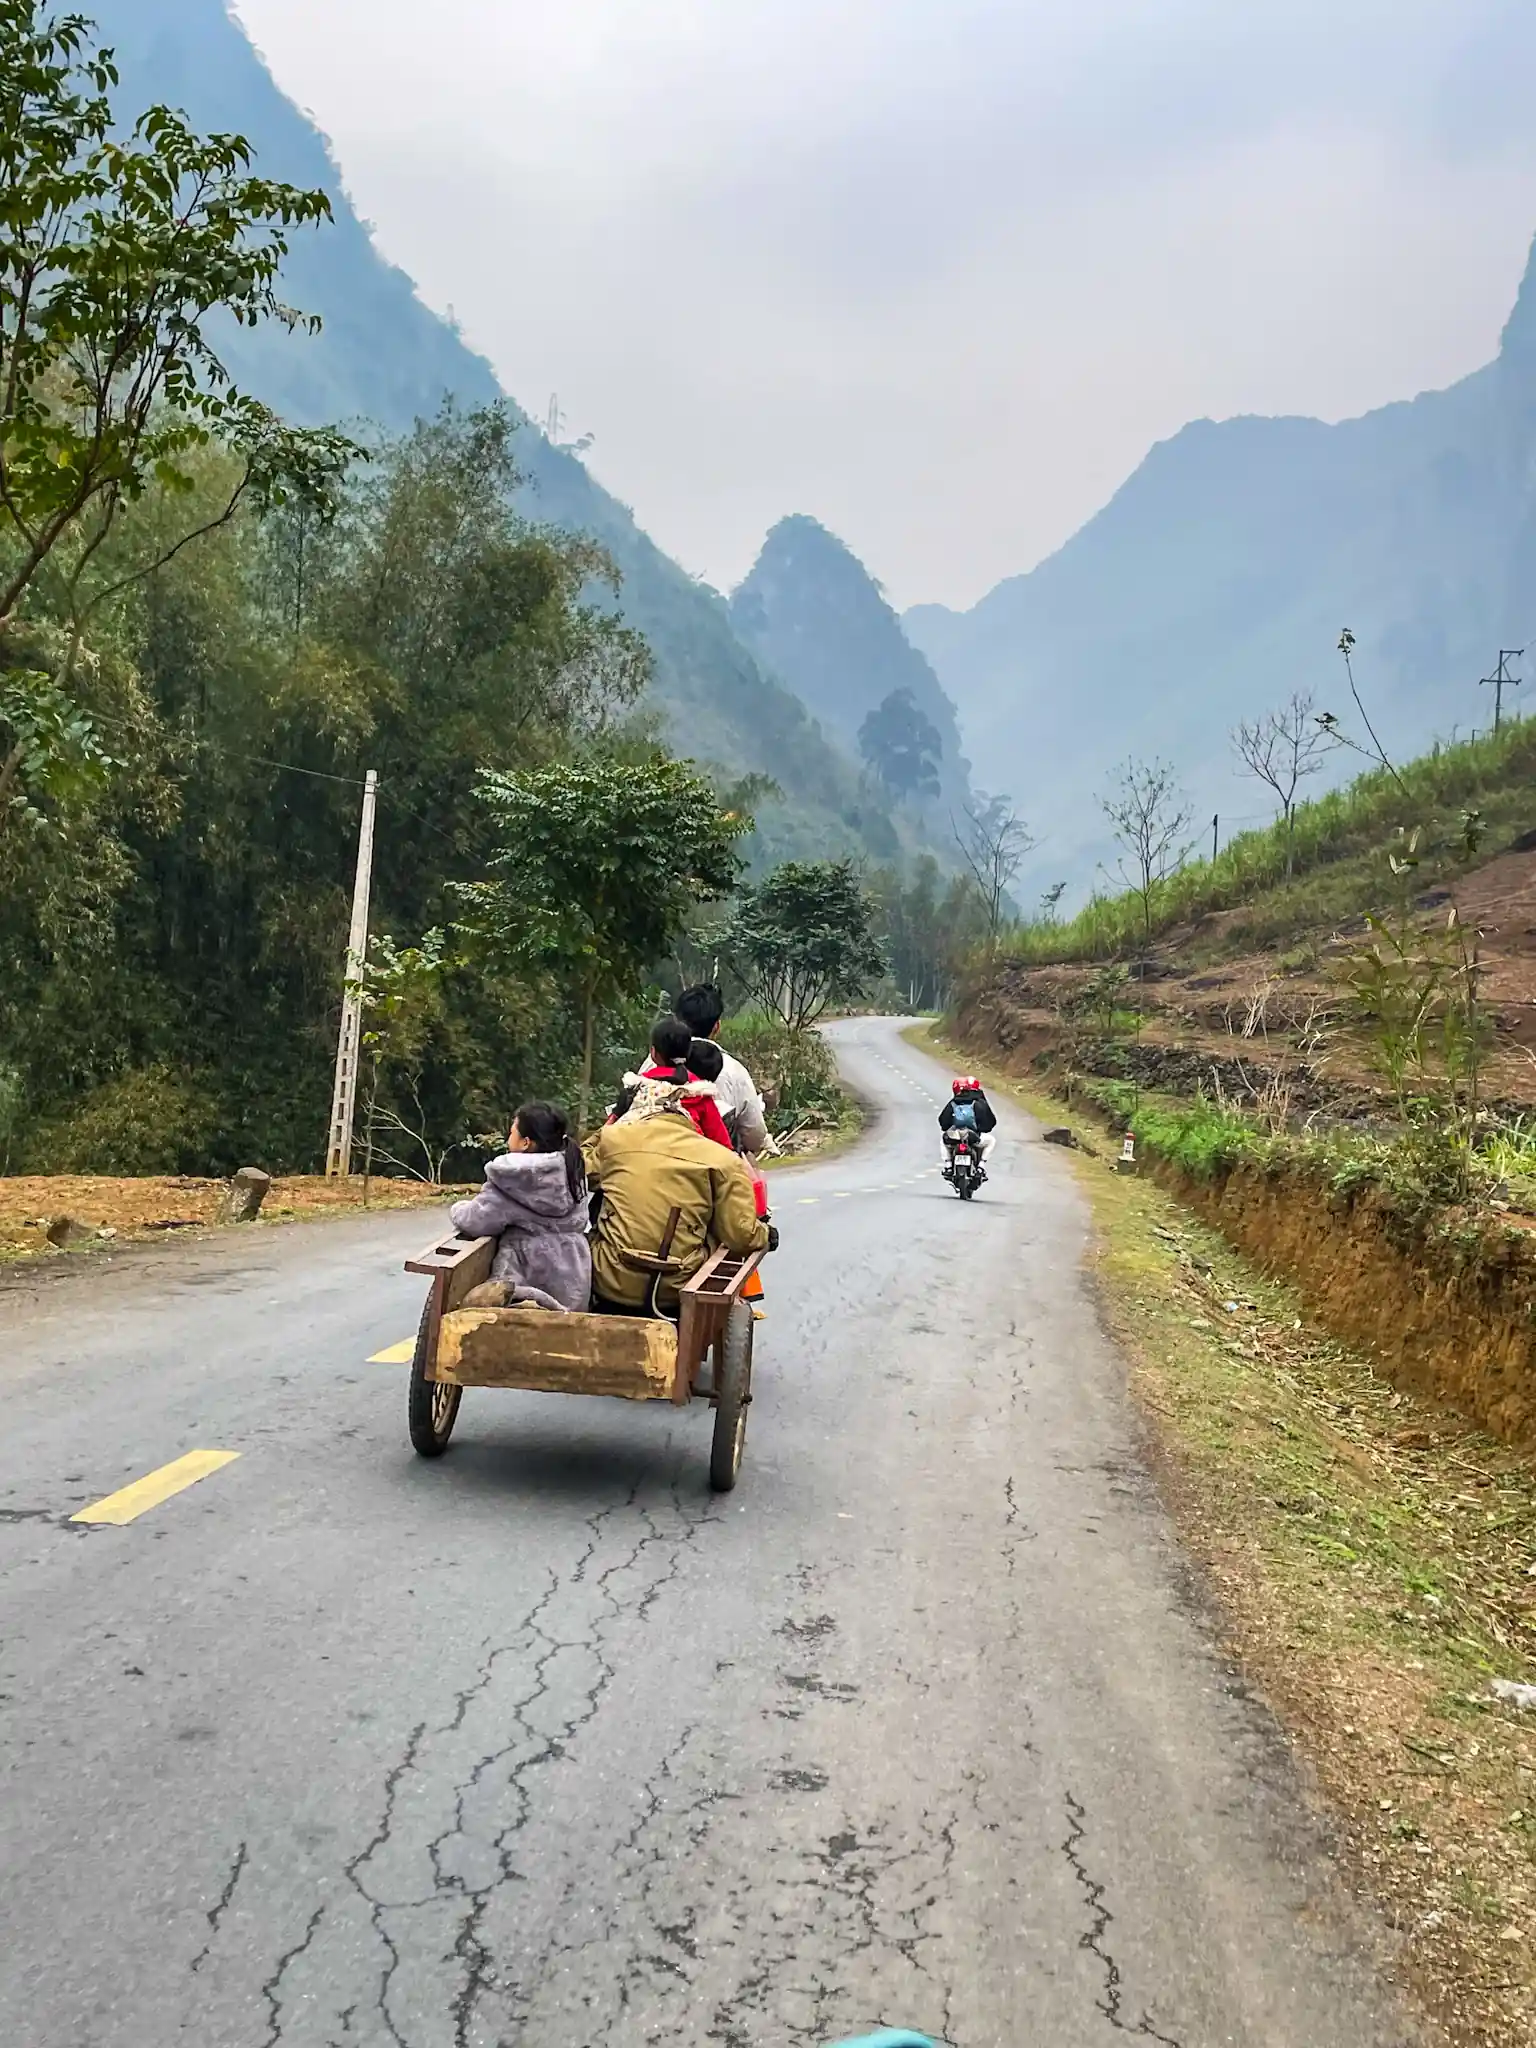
[[701, 1008], [706, 1062], [670, 1040], [549, 1130]]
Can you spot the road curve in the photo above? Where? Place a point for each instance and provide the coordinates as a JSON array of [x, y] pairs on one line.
[[543, 1744]]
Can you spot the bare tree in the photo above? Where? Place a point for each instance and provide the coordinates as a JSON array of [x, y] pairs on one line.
[[1050, 900], [1282, 749], [1149, 814], [993, 840]]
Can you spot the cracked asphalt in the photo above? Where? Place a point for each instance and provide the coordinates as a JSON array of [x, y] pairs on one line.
[[544, 1744]]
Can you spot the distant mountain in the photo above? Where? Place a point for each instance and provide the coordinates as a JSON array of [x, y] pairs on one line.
[[384, 356], [1217, 580], [813, 614]]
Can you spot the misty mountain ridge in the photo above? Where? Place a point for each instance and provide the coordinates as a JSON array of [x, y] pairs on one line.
[[1217, 580], [383, 356], [814, 615]]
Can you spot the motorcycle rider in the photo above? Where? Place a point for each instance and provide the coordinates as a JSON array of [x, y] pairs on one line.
[[967, 1109]]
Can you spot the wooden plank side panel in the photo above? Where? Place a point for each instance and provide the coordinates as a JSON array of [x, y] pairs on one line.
[[706, 1301], [696, 1324], [630, 1357], [452, 1254], [470, 1270]]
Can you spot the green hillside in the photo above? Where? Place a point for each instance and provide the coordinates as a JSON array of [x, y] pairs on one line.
[[1353, 851], [385, 357]]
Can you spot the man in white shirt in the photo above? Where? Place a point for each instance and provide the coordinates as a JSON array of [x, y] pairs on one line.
[[701, 1009]]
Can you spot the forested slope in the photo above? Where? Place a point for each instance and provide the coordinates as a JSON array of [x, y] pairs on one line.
[[384, 357], [813, 614]]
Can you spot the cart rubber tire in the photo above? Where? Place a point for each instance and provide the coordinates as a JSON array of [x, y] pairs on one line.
[[733, 1393], [434, 1408]]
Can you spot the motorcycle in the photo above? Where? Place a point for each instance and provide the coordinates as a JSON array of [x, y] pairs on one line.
[[965, 1172]]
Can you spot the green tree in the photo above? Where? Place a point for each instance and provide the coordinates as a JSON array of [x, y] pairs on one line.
[[931, 924], [190, 910], [435, 580], [401, 992], [114, 252], [805, 939], [902, 745], [596, 868], [116, 249], [51, 754]]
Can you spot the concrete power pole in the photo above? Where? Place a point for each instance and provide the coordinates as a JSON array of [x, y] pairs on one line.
[[1501, 682], [338, 1152]]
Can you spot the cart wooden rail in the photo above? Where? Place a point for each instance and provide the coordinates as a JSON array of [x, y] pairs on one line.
[[630, 1357]]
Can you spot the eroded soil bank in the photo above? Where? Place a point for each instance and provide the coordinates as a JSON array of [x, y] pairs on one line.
[[1442, 1300]]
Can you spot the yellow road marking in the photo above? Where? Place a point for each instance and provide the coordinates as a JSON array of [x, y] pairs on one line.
[[842, 1194], [132, 1501], [395, 1354]]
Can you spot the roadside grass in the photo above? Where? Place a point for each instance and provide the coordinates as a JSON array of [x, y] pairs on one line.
[[825, 1141], [1337, 847], [1374, 1560]]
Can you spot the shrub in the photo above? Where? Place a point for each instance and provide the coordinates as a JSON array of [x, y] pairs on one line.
[[1202, 1137], [794, 1070], [149, 1120]]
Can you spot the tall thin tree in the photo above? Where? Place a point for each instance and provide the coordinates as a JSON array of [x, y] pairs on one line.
[[993, 841]]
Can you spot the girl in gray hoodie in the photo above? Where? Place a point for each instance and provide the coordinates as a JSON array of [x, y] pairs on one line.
[[534, 1203]]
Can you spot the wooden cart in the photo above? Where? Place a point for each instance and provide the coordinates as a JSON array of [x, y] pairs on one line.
[[635, 1358]]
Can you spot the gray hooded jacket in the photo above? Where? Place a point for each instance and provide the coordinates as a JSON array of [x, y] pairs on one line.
[[526, 1203]]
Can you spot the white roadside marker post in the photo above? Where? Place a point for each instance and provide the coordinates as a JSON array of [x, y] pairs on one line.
[[338, 1151]]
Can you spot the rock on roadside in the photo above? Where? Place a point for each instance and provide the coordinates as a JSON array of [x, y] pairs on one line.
[[248, 1189]]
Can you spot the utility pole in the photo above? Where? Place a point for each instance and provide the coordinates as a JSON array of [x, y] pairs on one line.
[[338, 1151], [1215, 836], [1501, 682]]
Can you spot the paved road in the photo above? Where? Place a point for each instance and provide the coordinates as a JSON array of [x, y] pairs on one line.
[[542, 1744]]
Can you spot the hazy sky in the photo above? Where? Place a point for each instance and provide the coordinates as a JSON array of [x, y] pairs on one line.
[[936, 271]]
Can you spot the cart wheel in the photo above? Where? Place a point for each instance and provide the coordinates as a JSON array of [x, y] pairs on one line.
[[733, 1391], [434, 1408]]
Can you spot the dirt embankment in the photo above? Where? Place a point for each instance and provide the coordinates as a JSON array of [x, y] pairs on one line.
[[1447, 1314], [1444, 1303], [1267, 1025], [101, 1209]]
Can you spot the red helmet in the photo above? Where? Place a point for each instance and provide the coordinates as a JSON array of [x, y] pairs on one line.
[[962, 1082]]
